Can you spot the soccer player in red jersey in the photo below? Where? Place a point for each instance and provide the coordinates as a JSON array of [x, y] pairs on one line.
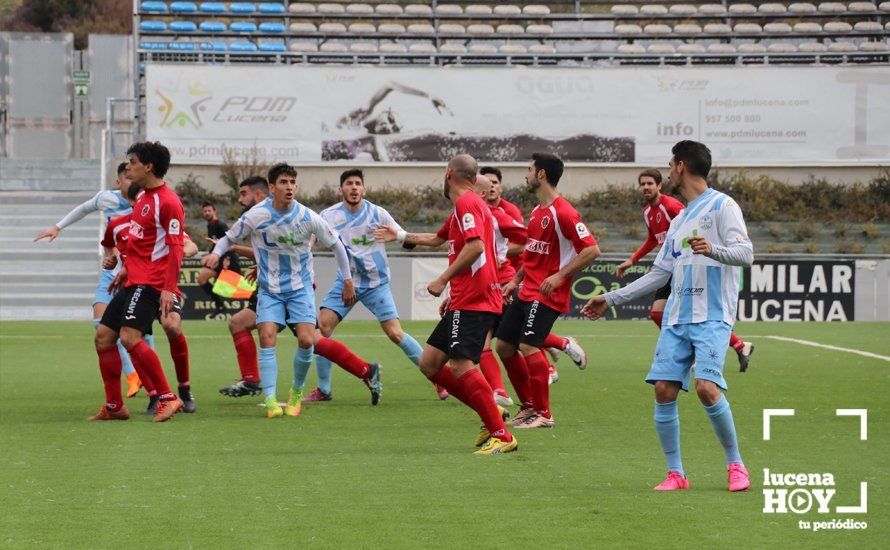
[[154, 257], [660, 209], [558, 246], [472, 307]]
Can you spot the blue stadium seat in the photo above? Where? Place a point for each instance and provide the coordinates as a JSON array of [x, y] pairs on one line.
[[214, 46], [153, 7], [271, 27], [241, 7], [152, 26], [212, 7], [242, 26], [213, 26], [153, 46], [272, 46], [183, 26], [182, 46], [183, 7], [271, 7], [243, 46]]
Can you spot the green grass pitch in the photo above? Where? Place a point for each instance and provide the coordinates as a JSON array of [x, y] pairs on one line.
[[344, 474]]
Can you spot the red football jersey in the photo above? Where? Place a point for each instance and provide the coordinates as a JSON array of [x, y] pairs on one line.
[[658, 220], [506, 230], [555, 236], [116, 234], [156, 224], [476, 288], [514, 212]]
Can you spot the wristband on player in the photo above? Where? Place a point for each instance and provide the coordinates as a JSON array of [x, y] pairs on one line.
[[401, 235]]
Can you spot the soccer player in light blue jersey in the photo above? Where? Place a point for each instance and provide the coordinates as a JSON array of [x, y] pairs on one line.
[[355, 220], [280, 230], [112, 203], [705, 248]]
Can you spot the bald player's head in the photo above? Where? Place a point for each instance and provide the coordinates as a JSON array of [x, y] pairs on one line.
[[464, 168], [482, 185]]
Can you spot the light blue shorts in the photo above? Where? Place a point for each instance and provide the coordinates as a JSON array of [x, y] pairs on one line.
[[378, 300], [297, 306], [102, 295], [679, 345]]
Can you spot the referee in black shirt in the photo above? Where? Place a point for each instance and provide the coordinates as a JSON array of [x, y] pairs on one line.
[[216, 229]]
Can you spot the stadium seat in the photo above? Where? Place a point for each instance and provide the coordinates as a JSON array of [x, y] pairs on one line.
[[631, 48], [452, 48], [301, 27], [712, 9], [747, 28], [243, 27], [483, 48], [393, 48], [272, 8], [212, 7], [183, 26], [624, 9], [539, 29], [862, 6], [513, 49], [887, 26], [837, 26], [389, 9], [153, 46], [781, 47], [683, 9], [391, 28], [802, 8], [152, 26], [449, 9], [717, 28], [742, 9], [690, 48], [721, 48], [362, 28], [628, 29], [884, 6], [811, 47], [332, 28], [215, 46], [536, 10], [359, 9], [832, 7], [752, 48], [842, 47], [153, 7], [422, 48], [868, 26], [421, 10], [242, 8], [183, 7], [480, 28], [687, 29], [333, 47], [777, 28], [772, 8], [541, 49], [363, 47], [508, 28], [331, 9], [873, 47], [421, 29], [243, 46], [301, 9], [303, 47], [212, 26], [272, 27], [477, 9], [657, 28], [653, 9], [807, 27], [451, 28], [507, 9], [272, 46], [182, 46], [661, 48]]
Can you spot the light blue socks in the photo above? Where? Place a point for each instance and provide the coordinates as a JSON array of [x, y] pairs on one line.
[[302, 362], [268, 371], [721, 419], [667, 425], [323, 367], [411, 348]]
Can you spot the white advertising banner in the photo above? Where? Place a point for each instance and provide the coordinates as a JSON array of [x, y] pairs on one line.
[[317, 114], [424, 306]]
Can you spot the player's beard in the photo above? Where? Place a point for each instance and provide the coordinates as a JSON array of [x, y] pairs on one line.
[[446, 191], [532, 186]]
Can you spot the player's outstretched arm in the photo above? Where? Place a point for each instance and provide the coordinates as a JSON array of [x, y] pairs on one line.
[[386, 234], [648, 283], [78, 213]]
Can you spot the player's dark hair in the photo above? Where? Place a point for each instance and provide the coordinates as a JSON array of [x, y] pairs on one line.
[[257, 183], [650, 173], [279, 169], [121, 168], [208, 203], [485, 170], [133, 192], [352, 173], [551, 165], [154, 153], [696, 156]]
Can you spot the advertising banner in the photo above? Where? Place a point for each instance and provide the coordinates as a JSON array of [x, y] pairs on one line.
[[621, 115]]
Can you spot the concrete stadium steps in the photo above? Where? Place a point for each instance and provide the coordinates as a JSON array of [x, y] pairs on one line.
[[46, 280], [49, 175]]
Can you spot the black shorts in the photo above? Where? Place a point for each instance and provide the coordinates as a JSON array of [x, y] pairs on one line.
[[664, 292], [136, 307], [461, 333], [526, 323]]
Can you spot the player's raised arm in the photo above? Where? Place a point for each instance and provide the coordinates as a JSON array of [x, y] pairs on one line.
[[386, 234], [78, 213]]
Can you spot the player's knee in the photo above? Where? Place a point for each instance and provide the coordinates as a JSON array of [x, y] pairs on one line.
[[505, 349], [130, 338], [708, 392], [666, 391], [527, 350], [103, 339], [204, 276], [395, 334], [172, 328]]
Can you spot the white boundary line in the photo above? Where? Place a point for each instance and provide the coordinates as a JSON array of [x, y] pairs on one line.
[[826, 346]]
